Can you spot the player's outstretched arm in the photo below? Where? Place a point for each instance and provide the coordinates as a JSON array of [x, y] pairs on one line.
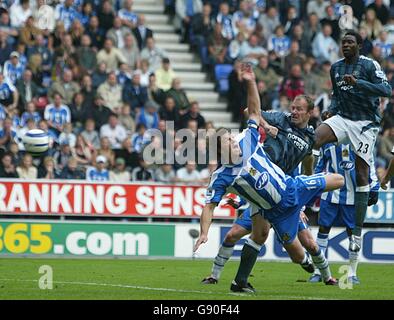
[[387, 176], [254, 105], [334, 181], [205, 222]]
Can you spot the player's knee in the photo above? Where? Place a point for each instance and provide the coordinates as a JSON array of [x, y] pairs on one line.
[[232, 237], [259, 237], [311, 246]]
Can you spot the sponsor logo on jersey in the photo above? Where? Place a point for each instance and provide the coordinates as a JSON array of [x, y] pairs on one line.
[[346, 165], [262, 181], [209, 194]]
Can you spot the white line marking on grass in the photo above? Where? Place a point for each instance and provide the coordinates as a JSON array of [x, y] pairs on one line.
[[127, 286]]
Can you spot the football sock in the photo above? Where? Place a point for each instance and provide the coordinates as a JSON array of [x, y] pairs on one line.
[[322, 241], [353, 263], [249, 254], [225, 252], [361, 204], [321, 263]]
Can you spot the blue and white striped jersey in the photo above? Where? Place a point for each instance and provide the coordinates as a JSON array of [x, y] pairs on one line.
[[3, 114], [13, 72], [131, 16], [59, 116], [6, 89], [93, 174], [341, 159], [256, 179], [66, 15], [27, 115]]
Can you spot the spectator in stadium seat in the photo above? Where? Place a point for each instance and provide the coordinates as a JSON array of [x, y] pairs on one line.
[[311, 28], [153, 54], [88, 90], [84, 152], [66, 87], [80, 111], [299, 36], [100, 75], [134, 94], [185, 10], [266, 74], [111, 92], [202, 26], [13, 68], [26, 170], [293, 85], [170, 112], [57, 114], [384, 44], [96, 33], [114, 131], [126, 120], [165, 174], [117, 33], [30, 113], [294, 56], [244, 19], [269, 21], [106, 151], [27, 89], [154, 92], [371, 23], [71, 171], [5, 47], [318, 7], [251, 50], [142, 32], [7, 168], [5, 26], [90, 134], [86, 55], [193, 114], [62, 155], [112, 56], [47, 169], [145, 73], [142, 172], [291, 20], [106, 15], [225, 19], [131, 52], [68, 136], [179, 95], [149, 115], [386, 145], [138, 138], [324, 46], [128, 153], [332, 19], [382, 12], [217, 47], [188, 174], [119, 173], [99, 172], [29, 32], [127, 15], [67, 13], [165, 75], [100, 112], [19, 13]]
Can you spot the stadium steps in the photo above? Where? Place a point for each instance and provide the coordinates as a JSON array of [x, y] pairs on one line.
[[186, 65]]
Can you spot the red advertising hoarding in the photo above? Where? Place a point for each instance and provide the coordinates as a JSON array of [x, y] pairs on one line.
[[56, 197]]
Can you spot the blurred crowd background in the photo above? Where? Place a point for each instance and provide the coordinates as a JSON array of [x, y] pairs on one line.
[[90, 73]]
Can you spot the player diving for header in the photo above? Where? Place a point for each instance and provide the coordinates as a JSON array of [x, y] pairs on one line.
[[246, 170]]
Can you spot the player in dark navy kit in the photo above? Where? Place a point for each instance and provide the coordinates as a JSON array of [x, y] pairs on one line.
[[289, 142], [358, 83]]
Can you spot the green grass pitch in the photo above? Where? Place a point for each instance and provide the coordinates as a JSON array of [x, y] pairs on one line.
[[178, 280]]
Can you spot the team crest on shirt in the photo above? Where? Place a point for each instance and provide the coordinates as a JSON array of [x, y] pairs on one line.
[[285, 237], [262, 181], [209, 194], [252, 171], [345, 153]]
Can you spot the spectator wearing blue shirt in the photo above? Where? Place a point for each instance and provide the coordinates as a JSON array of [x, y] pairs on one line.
[[384, 44], [8, 93], [128, 16], [149, 115], [138, 138], [57, 114], [13, 69], [99, 172], [30, 113], [225, 19], [66, 13], [7, 134], [279, 42]]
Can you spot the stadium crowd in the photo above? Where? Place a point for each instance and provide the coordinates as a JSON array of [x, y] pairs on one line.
[[95, 80]]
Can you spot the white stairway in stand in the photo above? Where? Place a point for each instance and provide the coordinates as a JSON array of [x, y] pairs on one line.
[[186, 65]]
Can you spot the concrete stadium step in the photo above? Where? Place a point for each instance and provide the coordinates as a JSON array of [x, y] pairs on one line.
[[191, 76], [216, 106], [148, 8], [163, 28], [203, 96], [217, 116], [155, 19], [167, 37], [192, 66], [181, 57], [198, 86], [175, 47]]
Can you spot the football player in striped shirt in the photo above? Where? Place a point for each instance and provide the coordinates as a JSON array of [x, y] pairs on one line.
[[358, 83], [246, 170], [389, 173]]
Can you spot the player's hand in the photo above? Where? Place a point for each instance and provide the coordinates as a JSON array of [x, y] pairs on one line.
[[350, 79], [247, 72], [202, 239], [304, 217], [272, 131], [385, 181], [233, 203]]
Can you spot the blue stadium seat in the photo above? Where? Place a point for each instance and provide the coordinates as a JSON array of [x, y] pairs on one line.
[[222, 71]]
